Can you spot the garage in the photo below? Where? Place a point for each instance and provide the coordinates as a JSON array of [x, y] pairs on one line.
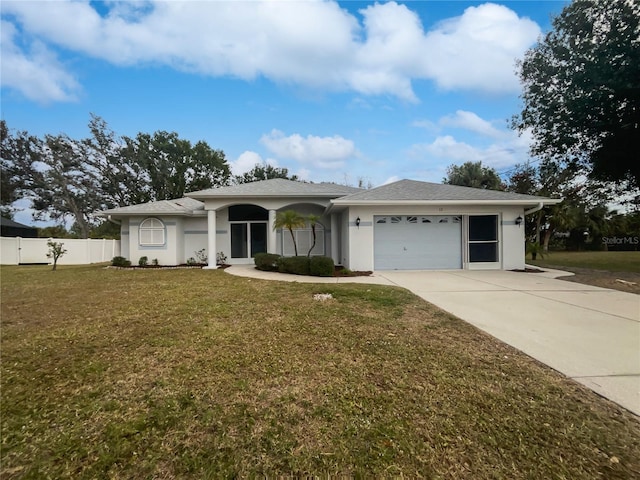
[[417, 242]]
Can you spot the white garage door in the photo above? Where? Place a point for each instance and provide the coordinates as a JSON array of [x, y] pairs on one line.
[[421, 242]]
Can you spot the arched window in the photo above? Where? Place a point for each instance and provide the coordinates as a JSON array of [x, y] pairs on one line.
[[152, 232]]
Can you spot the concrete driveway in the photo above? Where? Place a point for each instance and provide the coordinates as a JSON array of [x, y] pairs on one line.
[[590, 334]]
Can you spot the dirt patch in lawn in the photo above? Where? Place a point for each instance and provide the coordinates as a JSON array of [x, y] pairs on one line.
[[340, 271], [623, 281]]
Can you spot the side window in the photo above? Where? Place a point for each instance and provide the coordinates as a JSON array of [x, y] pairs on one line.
[[152, 232]]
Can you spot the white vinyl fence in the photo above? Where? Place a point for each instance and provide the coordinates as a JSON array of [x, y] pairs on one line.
[[17, 250]]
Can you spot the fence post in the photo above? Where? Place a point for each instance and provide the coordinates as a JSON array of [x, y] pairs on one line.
[[18, 248]]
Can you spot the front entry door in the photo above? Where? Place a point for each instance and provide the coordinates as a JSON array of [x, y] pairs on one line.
[[248, 237]]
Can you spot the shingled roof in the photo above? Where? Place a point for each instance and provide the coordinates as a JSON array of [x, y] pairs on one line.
[[277, 187], [181, 206], [415, 191]]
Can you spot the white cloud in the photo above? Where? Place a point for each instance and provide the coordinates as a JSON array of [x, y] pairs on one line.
[[428, 125], [304, 174], [37, 74], [247, 160], [311, 44], [322, 152], [498, 155], [471, 121], [477, 50]]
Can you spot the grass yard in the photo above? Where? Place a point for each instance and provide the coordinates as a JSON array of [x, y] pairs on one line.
[[610, 261], [197, 374], [617, 270]]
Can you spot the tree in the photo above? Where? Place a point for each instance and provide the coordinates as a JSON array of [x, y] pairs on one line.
[[19, 152], [473, 174], [552, 179], [56, 250], [581, 90], [63, 188], [290, 219], [123, 182], [313, 222], [264, 171], [170, 166], [69, 180], [55, 231]]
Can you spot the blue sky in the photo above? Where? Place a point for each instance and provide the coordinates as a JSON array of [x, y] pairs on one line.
[[332, 91]]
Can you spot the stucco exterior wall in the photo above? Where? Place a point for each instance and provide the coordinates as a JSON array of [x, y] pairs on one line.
[[186, 235], [360, 243], [167, 254], [124, 238], [513, 240], [345, 247], [223, 228], [195, 236]]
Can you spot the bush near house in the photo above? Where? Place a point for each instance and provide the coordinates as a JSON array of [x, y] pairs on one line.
[[295, 265], [267, 261], [321, 266], [120, 262]]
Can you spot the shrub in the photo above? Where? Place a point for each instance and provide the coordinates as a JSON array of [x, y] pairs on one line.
[[535, 249], [295, 265], [191, 261], [154, 262], [221, 259], [321, 266], [120, 262], [143, 261], [201, 256], [266, 261]]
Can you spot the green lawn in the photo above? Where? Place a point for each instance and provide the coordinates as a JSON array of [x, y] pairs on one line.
[[197, 374], [612, 261]]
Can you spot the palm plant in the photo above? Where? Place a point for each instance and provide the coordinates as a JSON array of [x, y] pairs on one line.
[[290, 219], [313, 221]]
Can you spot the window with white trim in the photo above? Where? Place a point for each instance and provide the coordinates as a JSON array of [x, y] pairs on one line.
[[152, 232]]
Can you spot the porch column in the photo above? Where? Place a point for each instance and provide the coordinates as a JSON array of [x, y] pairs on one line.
[[271, 234], [335, 242], [211, 239]]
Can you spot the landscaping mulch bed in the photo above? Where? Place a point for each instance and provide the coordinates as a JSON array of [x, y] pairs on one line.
[[165, 267]]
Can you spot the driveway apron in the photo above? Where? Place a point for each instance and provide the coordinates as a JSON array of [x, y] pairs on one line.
[[588, 333]]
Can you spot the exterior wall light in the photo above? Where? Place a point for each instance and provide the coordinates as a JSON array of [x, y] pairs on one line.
[[358, 222], [519, 220]]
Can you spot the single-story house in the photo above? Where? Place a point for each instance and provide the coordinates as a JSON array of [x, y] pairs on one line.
[[9, 228], [407, 224]]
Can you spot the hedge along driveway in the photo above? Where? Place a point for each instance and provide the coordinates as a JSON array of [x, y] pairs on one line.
[[196, 373]]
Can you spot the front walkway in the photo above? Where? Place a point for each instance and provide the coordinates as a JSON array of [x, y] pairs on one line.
[[588, 333]]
